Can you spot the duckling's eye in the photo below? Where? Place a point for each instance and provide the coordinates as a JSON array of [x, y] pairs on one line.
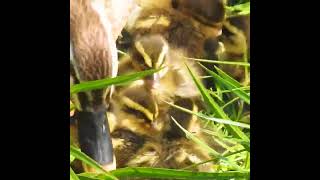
[[175, 4], [211, 45], [139, 59], [150, 149]]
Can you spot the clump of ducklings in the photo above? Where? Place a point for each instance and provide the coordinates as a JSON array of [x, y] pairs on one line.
[[161, 35]]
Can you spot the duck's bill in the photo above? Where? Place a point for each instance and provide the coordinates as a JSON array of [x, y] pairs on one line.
[[94, 138]]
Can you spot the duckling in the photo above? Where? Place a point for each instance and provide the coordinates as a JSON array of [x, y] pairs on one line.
[[93, 56], [126, 144], [158, 138], [132, 130], [136, 144], [178, 26], [154, 49], [133, 105], [210, 12], [170, 84], [236, 40], [153, 52], [186, 25], [183, 153], [186, 120], [236, 35]]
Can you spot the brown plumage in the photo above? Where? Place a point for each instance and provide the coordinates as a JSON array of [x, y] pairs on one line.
[[93, 48], [93, 56]]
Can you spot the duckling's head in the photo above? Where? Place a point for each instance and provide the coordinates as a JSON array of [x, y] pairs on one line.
[[183, 153], [126, 143], [236, 40], [210, 12], [151, 52], [186, 120]]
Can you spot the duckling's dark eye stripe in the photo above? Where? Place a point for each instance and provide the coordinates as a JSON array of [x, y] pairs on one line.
[[135, 106]]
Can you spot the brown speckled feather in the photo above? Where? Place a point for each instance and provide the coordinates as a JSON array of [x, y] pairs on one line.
[[92, 52], [92, 49]]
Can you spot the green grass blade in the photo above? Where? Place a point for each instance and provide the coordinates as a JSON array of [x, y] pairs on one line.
[[215, 93], [88, 178], [71, 158], [73, 175], [200, 115], [103, 83], [245, 144], [93, 176], [216, 109], [204, 162], [239, 9], [143, 172], [197, 140], [247, 162], [86, 159], [213, 106], [234, 153], [230, 102], [228, 78], [72, 106], [229, 83], [198, 164], [225, 62], [246, 69], [206, 147]]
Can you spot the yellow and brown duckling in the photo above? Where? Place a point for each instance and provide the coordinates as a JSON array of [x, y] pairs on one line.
[[138, 120], [179, 22], [236, 40], [186, 25], [174, 80], [137, 144]]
